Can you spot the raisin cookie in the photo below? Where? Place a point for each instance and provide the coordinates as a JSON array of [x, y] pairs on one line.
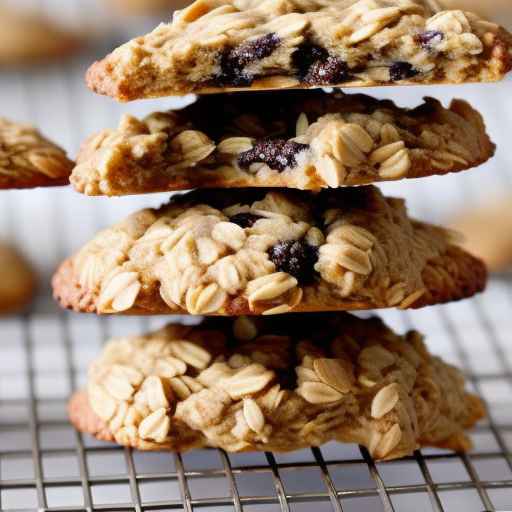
[[276, 384], [27, 159], [257, 251], [27, 38], [17, 280], [293, 139], [222, 45]]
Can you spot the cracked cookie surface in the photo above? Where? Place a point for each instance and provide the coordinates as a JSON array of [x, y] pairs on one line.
[[293, 139], [222, 45], [280, 383], [27, 159], [258, 251]]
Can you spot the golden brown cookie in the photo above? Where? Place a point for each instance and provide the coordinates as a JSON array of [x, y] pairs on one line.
[[280, 383], [147, 6], [487, 231], [26, 38], [258, 251], [231, 45], [27, 159], [293, 139], [17, 280]]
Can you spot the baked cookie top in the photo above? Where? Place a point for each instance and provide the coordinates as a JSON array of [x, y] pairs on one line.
[[257, 251], [292, 139], [277, 384], [26, 38], [227, 45], [27, 159]]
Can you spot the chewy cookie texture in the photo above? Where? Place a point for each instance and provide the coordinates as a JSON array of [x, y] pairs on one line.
[[27, 159], [257, 251], [219, 45], [280, 383], [294, 139]]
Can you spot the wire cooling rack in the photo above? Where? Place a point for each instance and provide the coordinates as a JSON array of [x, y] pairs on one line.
[[45, 465]]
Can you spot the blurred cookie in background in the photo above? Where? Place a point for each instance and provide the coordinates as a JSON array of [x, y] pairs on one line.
[[17, 280], [28, 159], [488, 228], [144, 7], [487, 231], [27, 38], [499, 11]]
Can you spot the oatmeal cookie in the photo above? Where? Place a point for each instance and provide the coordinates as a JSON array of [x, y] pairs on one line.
[[27, 159], [230, 45], [26, 38], [257, 251], [294, 139], [487, 231], [142, 7], [276, 384], [17, 280]]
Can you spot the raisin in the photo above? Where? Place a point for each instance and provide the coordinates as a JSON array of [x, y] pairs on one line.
[[234, 60], [328, 72], [295, 257], [245, 219], [235, 79], [316, 67], [429, 38], [242, 55], [401, 71], [306, 55], [278, 154]]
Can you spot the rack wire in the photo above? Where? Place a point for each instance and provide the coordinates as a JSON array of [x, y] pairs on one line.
[[45, 465]]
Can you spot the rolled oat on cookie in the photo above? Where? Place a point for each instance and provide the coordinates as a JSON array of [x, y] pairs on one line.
[[261, 251], [232, 45], [279, 383]]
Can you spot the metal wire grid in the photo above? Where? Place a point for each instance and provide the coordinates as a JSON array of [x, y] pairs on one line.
[[45, 465], [482, 480]]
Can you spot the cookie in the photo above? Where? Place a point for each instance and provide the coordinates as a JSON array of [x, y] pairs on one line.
[[487, 231], [143, 7], [257, 251], [17, 280], [280, 384], [230, 45], [26, 38], [498, 11], [27, 159], [294, 139]]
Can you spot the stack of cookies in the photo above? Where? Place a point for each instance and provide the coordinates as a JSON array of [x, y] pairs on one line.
[[276, 243]]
